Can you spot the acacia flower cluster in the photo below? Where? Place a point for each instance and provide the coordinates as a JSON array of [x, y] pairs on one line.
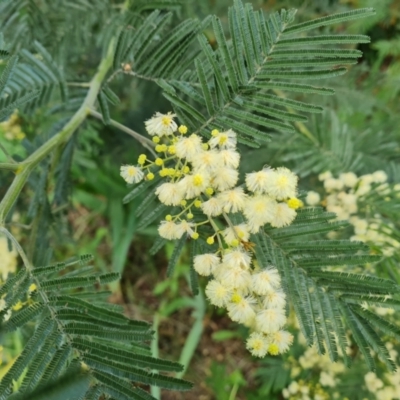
[[328, 379], [11, 128], [200, 179], [8, 259], [8, 265], [347, 196]]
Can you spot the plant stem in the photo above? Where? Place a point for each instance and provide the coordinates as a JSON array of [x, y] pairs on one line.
[[195, 333], [232, 395], [216, 229], [155, 390], [27, 166], [137, 136], [9, 166]]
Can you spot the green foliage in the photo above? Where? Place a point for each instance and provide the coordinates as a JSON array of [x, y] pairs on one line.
[[68, 333], [242, 83], [238, 76], [320, 297], [9, 103], [34, 74]]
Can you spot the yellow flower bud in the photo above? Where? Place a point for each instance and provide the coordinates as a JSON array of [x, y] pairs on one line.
[[185, 169], [183, 203], [214, 132], [159, 162], [156, 139], [168, 217], [32, 288], [183, 129], [189, 216], [150, 176], [209, 191], [17, 306], [195, 235], [197, 203], [294, 203], [159, 148], [273, 349], [205, 146], [236, 298], [235, 243], [142, 159], [210, 240], [171, 150]]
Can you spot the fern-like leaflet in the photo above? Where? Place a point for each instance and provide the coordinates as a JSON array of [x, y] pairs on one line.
[[78, 332]]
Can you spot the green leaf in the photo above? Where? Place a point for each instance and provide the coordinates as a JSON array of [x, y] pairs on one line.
[[180, 244], [304, 74], [123, 356], [324, 39], [118, 387], [331, 19], [294, 104], [353, 279], [374, 340], [111, 96], [157, 245], [205, 87], [105, 111], [135, 374], [57, 364], [70, 386], [76, 282], [139, 189], [95, 311], [153, 216], [86, 329], [228, 61], [323, 52], [33, 345], [7, 72], [23, 316], [358, 335]]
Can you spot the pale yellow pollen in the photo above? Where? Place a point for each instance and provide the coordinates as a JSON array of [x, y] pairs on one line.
[[236, 298], [259, 207], [131, 171], [166, 120], [197, 180], [221, 292], [282, 181], [223, 139], [257, 344], [273, 349]]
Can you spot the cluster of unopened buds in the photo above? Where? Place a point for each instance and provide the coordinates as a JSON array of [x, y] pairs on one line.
[[200, 180]]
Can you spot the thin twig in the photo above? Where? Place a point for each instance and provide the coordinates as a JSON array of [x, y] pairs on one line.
[[18, 247], [113, 75], [137, 136], [9, 166], [18, 225]]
